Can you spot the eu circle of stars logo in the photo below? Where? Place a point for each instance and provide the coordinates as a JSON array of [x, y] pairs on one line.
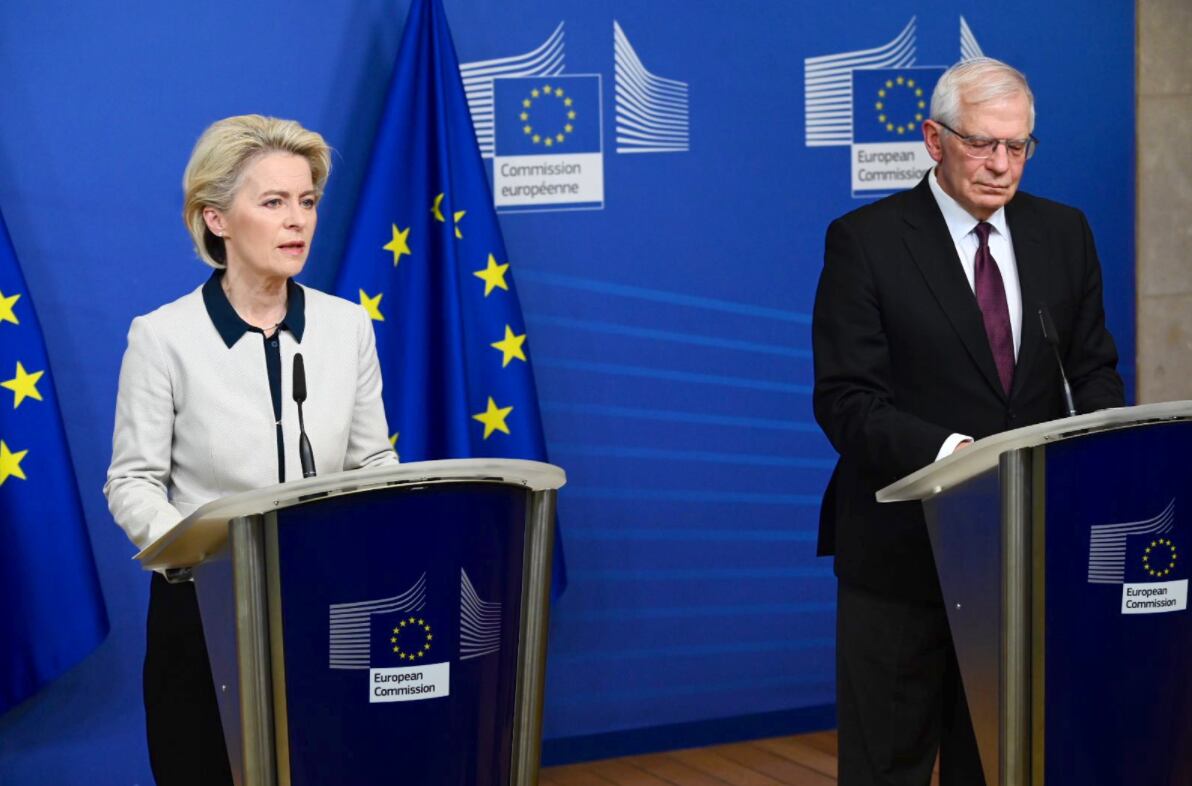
[[411, 639], [900, 104], [547, 116], [1161, 550]]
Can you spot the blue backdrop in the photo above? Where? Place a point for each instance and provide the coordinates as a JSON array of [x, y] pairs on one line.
[[670, 326]]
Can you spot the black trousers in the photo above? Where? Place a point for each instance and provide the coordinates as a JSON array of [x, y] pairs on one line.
[[899, 698], [186, 743]]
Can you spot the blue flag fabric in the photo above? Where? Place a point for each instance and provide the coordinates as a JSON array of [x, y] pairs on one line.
[[53, 611], [427, 261]]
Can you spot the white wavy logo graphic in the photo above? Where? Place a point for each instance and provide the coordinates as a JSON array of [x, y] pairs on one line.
[[969, 48], [828, 86], [351, 623], [479, 622], [652, 112], [1107, 544], [546, 60]]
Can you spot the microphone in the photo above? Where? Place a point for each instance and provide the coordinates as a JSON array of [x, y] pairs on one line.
[[305, 454], [1052, 337]]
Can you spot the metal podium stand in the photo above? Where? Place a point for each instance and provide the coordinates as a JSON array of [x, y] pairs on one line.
[[1063, 554], [378, 626]]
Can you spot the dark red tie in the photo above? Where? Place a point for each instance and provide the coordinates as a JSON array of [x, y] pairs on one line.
[[991, 298]]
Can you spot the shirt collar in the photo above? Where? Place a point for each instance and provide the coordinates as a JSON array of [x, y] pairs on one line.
[[959, 222], [229, 324]]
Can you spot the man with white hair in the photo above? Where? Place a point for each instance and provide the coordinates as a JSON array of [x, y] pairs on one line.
[[926, 337]]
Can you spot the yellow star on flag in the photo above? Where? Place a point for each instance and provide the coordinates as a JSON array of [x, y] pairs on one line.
[[510, 346], [398, 244], [393, 439], [372, 305], [437, 209], [6, 304], [23, 385], [458, 215], [10, 463], [493, 418], [493, 275]]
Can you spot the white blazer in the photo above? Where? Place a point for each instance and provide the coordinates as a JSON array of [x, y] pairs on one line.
[[194, 418]]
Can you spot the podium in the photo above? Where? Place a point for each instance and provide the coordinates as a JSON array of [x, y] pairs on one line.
[[1063, 553], [385, 625]]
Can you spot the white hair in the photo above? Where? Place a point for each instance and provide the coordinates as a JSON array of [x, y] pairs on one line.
[[978, 81]]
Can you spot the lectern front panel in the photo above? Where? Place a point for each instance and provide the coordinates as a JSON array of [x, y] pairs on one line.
[[1118, 680], [964, 524], [400, 613]]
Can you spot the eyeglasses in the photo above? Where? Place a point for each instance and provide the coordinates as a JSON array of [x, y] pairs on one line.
[[986, 146]]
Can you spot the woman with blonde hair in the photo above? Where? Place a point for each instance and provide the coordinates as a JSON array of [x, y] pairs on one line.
[[205, 410]]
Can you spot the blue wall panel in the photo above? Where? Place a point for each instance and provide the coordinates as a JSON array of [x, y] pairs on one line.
[[670, 329]]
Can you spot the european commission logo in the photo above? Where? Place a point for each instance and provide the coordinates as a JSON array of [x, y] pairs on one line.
[[1146, 557], [560, 159], [889, 107], [548, 142], [875, 101], [399, 640]]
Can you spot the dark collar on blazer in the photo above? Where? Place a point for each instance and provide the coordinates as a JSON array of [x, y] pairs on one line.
[[229, 324]]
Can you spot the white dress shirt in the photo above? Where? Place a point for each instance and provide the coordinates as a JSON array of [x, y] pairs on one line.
[[962, 228]]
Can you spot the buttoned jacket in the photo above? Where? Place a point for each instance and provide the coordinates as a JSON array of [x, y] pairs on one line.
[[195, 419], [902, 361]]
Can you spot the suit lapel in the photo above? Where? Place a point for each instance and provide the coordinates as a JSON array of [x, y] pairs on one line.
[[1030, 256], [931, 247]]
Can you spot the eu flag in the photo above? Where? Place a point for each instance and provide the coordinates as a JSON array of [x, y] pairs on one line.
[[890, 104], [53, 611], [427, 261], [1157, 553]]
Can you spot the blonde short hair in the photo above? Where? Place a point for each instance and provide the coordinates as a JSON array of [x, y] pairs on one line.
[[220, 159]]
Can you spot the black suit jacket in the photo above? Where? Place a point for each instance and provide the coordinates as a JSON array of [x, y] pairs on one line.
[[902, 361]]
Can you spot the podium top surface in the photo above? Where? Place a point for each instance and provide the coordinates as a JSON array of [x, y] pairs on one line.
[[946, 473], [203, 532]]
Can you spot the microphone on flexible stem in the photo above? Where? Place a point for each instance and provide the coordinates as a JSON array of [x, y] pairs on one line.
[[305, 454], [1052, 337]]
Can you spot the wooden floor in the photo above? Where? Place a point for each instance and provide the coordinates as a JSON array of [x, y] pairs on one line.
[[806, 760]]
